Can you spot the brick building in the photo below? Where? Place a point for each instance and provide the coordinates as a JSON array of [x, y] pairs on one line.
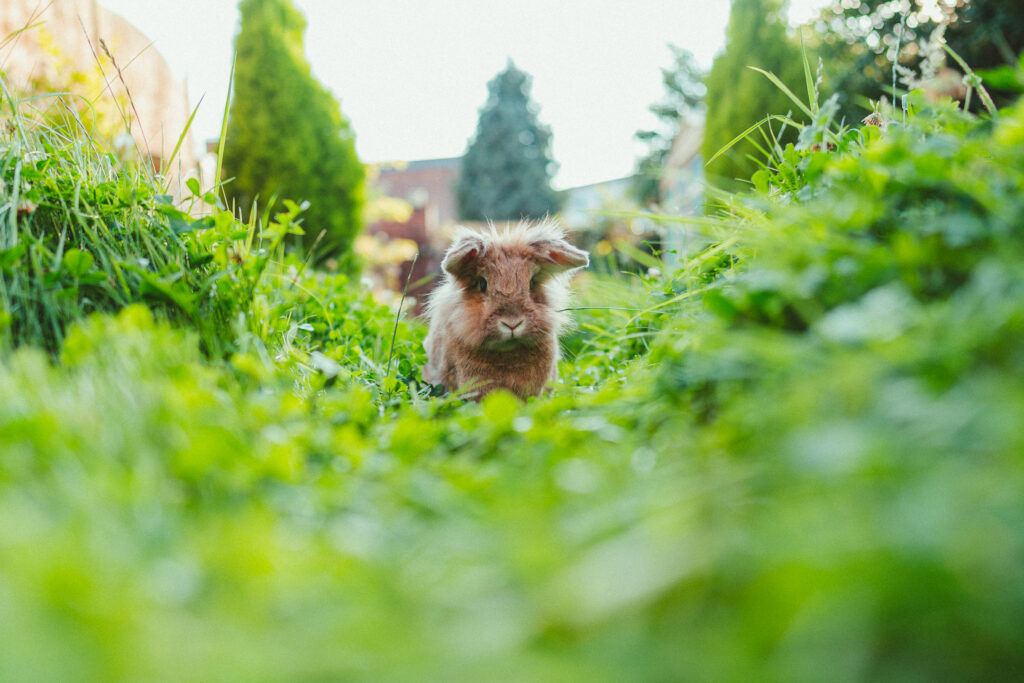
[[429, 187]]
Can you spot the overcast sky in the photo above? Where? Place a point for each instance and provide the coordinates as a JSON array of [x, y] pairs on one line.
[[411, 75]]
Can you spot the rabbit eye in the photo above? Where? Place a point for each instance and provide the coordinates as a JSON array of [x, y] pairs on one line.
[[481, 284]]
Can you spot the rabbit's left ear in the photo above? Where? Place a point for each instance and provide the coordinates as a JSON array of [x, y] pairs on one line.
[[462, 257], [556, 256]]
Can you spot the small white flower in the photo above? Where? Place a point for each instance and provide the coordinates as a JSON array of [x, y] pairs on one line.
[[123, 142]]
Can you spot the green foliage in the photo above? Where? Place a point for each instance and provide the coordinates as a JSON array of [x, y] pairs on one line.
[[797, 455], [988, 34], [738, 97], [684, 96], [861, 40], [865, 354], [507, 169], [286, 136], [80, 232]]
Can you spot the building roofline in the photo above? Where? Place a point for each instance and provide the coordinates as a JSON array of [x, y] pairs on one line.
[[420, 164], [600, 183]]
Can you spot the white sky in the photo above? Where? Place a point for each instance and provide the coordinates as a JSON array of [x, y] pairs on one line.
[[411, 75]]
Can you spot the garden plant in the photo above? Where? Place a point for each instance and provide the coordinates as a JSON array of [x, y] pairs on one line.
[[798, 454]]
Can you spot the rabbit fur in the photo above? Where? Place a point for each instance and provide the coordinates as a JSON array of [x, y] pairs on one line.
[[496, 317]]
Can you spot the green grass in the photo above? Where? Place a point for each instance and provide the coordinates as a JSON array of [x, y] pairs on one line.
[[82, 232], [797, 456]]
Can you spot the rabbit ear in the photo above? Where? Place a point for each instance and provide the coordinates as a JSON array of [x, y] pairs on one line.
[[463, 255], [556, 256]]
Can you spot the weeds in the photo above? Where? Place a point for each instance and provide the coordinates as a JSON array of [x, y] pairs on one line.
[[798, 452]]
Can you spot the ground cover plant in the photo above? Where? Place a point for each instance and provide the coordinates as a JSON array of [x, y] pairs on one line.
[[798, 452], [86, 231]]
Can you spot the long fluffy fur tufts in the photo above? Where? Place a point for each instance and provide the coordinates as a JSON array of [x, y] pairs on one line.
[[461, 344]]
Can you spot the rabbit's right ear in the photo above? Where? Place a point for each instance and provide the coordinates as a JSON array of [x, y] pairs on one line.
[[463, 255], [556, 256]]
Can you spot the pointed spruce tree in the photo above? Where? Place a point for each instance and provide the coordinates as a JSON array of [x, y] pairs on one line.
[[507, 169], [286, 136], [737, 96]]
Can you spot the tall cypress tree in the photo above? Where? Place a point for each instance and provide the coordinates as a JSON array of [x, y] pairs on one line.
[[739, 97], [286, 136], [507, 168]]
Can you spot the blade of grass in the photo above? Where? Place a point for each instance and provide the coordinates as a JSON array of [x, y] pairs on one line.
[[641, 257], [224, 127], [398, 313], [181, 138], [33, 22], [662, 218], [782, 86], [974, 81], [812, 95], [736, 140], [600, 308], [128, 93], [139, 54], [106, 81], [732, 143], [14, 35], [423, 280], [764, 152]]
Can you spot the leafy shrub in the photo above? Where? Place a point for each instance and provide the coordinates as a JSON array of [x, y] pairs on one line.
[[863, 361], [286, 136], [798, 454], [80, 233], [738, 97]]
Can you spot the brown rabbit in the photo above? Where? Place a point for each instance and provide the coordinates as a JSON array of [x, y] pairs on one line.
[[496, 318]]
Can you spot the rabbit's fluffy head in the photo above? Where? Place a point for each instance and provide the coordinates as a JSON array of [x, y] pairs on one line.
[[504, 288]]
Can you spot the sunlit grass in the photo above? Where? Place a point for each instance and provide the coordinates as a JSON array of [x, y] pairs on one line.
[[795, 454]]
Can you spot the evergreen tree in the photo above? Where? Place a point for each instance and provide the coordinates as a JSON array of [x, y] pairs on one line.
[[286, 136], [739, 97], [684, 97], [507, 168]]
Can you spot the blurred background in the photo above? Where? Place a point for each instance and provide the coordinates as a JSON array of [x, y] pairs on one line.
[[397, 119], [799, 452]]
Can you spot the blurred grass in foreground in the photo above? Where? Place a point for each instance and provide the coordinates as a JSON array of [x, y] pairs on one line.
[[801, 456]]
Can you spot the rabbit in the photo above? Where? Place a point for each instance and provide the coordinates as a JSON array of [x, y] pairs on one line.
[[495, 320]]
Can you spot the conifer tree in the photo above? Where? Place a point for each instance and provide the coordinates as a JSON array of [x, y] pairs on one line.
[[286, 136], [737, 96], [507, 168]]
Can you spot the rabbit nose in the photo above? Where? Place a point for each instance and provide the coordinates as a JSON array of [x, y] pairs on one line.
[[511, 324]]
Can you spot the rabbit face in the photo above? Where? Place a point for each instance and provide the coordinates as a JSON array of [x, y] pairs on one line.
[[510, 302], [496, 317], [505, 298]]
